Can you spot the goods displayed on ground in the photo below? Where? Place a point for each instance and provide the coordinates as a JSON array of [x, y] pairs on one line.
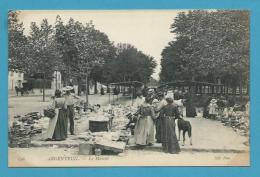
[[236, 117], [23, 129], [108, 133]]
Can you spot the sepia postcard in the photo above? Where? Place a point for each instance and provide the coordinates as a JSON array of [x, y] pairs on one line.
[[95, 88]]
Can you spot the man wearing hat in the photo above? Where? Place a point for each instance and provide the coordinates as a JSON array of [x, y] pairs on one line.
[[70, 107]]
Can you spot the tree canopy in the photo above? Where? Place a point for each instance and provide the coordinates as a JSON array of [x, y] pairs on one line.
[[131, 64], [77, 50], [208, 45]]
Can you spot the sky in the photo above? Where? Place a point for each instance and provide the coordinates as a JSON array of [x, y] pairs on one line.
[[147, 30]]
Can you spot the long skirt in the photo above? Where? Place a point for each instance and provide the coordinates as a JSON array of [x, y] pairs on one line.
[[51, 127], [144, 131], [169, 139], [158, 124], [60, 132], [190, 110]]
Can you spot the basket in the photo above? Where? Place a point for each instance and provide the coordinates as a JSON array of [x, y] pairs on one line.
[[49, 113]]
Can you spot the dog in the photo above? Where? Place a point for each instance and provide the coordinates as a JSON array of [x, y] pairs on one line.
[[184, 126]]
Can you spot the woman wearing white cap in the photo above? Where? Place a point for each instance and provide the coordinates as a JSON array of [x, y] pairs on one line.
[[144, 128], [213, 108]]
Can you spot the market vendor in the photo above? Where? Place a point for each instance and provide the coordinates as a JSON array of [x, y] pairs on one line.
[[144, 128], [70, 108], [57, 128]]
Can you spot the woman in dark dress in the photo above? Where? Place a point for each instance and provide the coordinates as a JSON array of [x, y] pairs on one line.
[[60, 131], [168, 136]]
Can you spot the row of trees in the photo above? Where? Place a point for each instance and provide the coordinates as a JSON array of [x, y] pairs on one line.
[[78, 50], [209, 45]]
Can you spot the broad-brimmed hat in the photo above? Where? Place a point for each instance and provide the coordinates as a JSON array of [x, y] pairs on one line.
[[67, 88]]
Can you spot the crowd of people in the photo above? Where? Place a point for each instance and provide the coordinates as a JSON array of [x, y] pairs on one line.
[[155, 117]]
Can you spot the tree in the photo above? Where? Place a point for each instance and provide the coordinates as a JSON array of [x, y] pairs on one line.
[[17, 43], [43, 56], [215, 44], [131, 64], [82, 47]]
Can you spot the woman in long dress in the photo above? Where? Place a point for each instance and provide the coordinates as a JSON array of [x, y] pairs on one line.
[[58, 125], [144, 128], [168, 136]]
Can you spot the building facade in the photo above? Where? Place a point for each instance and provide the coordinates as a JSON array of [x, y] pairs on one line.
[[15, 78]]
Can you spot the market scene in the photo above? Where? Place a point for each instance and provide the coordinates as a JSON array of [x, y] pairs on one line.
[[78, 99]]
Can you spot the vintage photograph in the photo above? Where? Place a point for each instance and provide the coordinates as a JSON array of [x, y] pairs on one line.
[[95, 88]]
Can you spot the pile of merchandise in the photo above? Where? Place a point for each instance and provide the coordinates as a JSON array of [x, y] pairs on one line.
[[23, 129], [237, 119], [19, 135], [112, 139]]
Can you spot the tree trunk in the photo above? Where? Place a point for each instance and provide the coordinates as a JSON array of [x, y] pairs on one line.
[[247, 88], [96, 91], [88, 86], [79, 86], [108, 89], [43, 89], [240, 88], [234, 90], [87, 90]]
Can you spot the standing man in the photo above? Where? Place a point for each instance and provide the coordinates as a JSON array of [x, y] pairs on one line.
[[70, 108], [160, 105]]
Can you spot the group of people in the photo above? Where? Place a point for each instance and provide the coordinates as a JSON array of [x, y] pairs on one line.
[[156, 120], [63, 104]]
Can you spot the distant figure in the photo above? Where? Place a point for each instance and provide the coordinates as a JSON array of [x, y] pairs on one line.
[[213, 108], [102, 91], [206, 108], [190, 108], [145, 91], [16, 90]]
